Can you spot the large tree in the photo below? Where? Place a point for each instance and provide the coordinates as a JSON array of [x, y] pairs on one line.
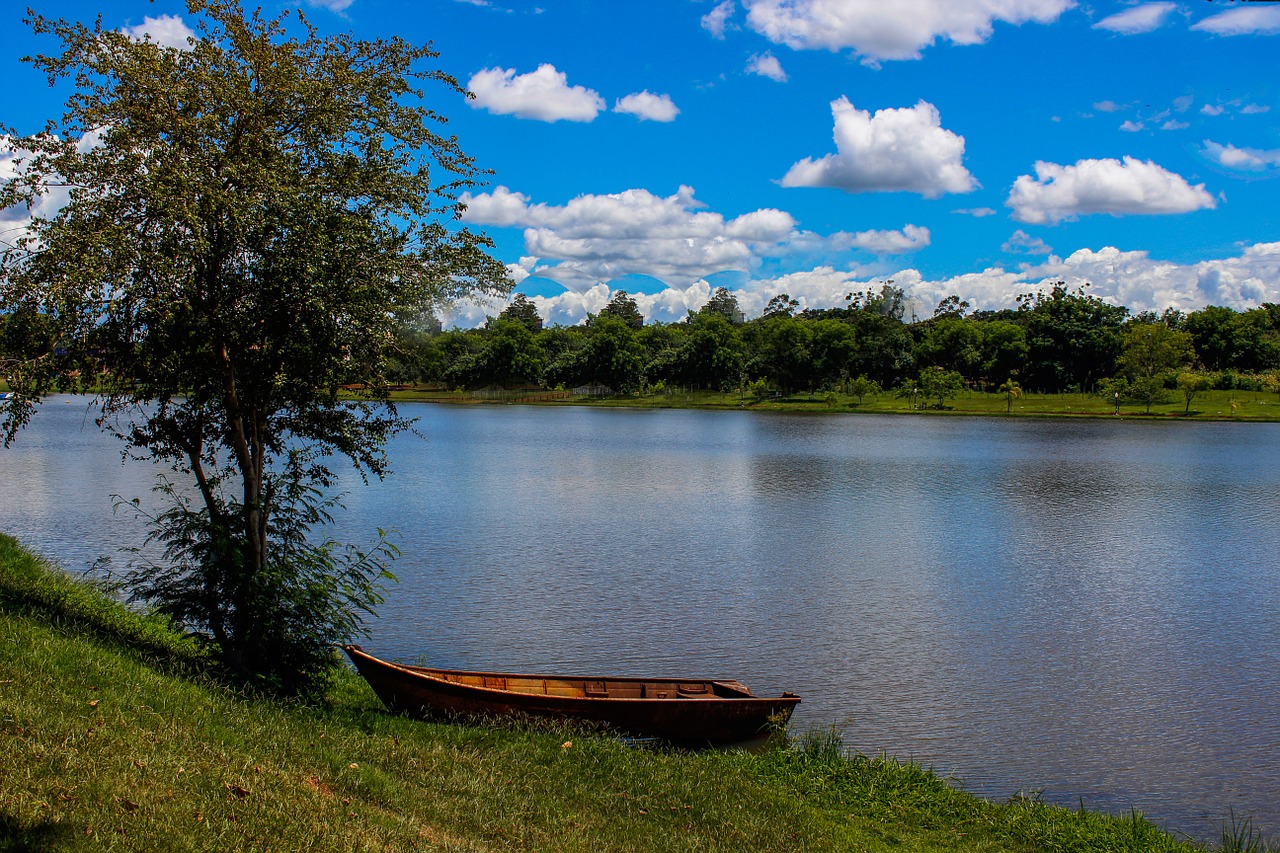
[[1073, 338], [248, 217]]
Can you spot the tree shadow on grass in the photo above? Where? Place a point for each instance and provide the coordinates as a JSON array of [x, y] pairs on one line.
[[19, 837], [29, 587]]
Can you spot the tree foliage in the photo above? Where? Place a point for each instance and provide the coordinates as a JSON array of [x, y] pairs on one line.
[[523, 311], [249, 220], [941, 383], [624, 308]]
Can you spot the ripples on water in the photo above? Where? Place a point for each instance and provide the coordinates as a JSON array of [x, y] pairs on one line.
[[1085, 607]]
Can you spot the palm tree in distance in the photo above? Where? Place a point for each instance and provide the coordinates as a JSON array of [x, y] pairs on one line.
[[1010, 390]]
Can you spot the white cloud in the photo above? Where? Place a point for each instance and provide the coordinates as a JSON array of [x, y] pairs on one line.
[[1129, 278], [1022, 242], [1102, 186], [1212, 110], [911, 238], [331, 5], [1254, 109], [1108, 106], [544, 94], [1139, 19], [896, 150], [166, 30], [646, 105], [1242, 21], [1243, 159], [595, 238], [766, 65], [1135, 280], [879, 30], [976, 212], [1131, 126], [1172, 124], [717, 19]]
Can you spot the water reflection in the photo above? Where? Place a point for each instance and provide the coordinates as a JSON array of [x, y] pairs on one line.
[[1084, 607]]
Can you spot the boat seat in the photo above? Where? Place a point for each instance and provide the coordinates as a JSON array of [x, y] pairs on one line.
[[694, 691]]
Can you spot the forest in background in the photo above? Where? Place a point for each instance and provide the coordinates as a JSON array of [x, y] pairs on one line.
[[1058, 341]]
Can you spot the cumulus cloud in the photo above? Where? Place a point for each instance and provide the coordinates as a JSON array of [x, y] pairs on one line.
[[910, 239], [1173, 124], [1023, 243], [595, 238], [1254, 109], [166, 30], [977, 212], [1139, 19], [766, 65], [1242, 159], [878, 30], [1102, 186], [896, 150], [1131, 126], [648, 106], [1108, 106], [717, 19], [331, 5], [544, 95], [600, 237], [1129, 278], [1242, 21]]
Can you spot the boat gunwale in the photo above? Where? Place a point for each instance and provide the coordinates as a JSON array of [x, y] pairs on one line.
[[428, 673]]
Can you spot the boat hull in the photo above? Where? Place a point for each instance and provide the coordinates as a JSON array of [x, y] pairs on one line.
[[675, 710]]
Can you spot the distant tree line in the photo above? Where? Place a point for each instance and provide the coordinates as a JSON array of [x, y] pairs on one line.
[[1060, 340], [1054, 341]]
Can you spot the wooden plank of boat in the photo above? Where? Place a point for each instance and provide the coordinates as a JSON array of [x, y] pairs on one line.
[[676, 710]]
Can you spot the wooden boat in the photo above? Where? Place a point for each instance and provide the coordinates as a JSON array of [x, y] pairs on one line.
[[675, 710]]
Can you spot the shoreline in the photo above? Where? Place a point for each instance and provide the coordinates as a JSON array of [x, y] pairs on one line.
[[1210, 406], [121, 735]]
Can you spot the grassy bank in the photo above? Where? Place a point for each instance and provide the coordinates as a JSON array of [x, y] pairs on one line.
[[111, 738], [1209, 405]]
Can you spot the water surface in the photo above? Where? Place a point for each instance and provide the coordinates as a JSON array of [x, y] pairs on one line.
[[1083, 607]]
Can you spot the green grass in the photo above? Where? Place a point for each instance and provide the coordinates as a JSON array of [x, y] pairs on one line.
[[111, 738], [1210, 405]]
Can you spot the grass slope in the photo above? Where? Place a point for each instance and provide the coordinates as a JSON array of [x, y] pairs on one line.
[[111, 739]]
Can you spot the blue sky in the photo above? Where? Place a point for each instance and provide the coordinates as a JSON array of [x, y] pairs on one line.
[[983, 148]]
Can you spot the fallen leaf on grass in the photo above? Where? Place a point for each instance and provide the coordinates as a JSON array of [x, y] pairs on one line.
[[127, 804], [93, 704], [236, 790]]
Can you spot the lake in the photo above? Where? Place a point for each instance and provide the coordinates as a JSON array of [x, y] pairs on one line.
[[1090, 608]]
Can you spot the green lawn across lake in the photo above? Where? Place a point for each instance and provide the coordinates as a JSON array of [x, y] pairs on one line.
[[1209, 405]]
